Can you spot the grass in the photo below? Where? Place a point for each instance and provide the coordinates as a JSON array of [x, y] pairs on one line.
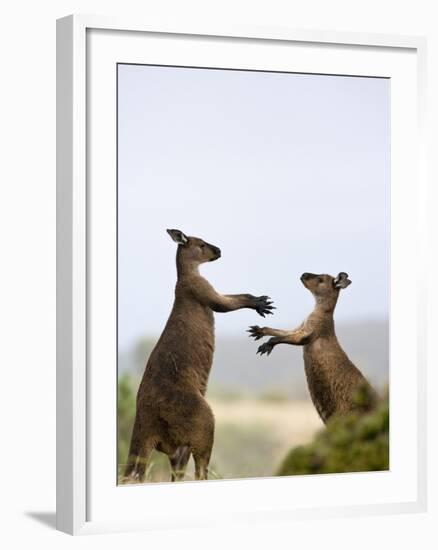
[[254, 433]]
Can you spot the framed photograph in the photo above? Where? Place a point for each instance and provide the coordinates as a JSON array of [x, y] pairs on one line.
[[241, 277]]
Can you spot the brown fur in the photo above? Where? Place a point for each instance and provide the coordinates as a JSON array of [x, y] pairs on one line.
[[172, 414], [333, 380]]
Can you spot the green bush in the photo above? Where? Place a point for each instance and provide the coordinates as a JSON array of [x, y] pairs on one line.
[[125, 416], [354, 443]]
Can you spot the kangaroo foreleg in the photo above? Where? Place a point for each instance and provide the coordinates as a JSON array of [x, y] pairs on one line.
[[223, 303], [296, 338], [232, 302], [257, 332]]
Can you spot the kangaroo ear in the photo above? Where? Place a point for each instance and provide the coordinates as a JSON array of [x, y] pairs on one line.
[[342, 280], [178, 236]]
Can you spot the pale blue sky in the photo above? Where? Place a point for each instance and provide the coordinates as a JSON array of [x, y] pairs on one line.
[[284, 172]]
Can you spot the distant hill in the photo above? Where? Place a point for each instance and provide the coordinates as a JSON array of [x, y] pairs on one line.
[[238, 370]]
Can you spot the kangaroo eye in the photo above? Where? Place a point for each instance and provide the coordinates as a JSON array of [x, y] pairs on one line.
[[202, 245], [320, 279]]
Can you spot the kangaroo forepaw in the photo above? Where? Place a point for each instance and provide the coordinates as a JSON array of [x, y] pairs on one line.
[[266, 348], [264, 306], [256, 332]]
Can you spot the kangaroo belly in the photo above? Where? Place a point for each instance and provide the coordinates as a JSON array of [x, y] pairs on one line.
[[332, 380], [319, 388], [182, 358]]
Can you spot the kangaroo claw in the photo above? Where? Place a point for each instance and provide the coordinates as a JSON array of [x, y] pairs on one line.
[[265, 348], [255, 332], [264, 305]]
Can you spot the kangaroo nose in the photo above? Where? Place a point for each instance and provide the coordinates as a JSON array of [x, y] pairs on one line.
[[217, 251], [305, 276]]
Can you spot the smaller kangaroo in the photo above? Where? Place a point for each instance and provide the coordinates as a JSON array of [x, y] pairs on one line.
[[332, 378]]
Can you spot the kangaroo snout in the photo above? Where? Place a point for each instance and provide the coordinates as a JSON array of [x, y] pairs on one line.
[[216, 251], [307, 276]]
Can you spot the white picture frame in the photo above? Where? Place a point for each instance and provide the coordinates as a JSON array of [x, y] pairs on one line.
[[79, 68]]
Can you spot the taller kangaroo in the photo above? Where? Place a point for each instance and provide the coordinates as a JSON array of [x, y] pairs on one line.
[[172, 414]]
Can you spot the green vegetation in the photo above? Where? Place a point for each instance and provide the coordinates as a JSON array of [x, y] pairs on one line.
[[253, 432], [355, 443], [125, 416]]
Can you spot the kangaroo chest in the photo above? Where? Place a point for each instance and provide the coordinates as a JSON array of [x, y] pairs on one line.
[[321, 364]]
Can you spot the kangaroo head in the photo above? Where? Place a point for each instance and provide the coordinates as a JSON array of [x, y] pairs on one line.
[[325, 288], [193, 251]]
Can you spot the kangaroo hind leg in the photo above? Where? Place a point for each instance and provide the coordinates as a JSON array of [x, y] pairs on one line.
[[202, 441], [138, 459], [178, 463]]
